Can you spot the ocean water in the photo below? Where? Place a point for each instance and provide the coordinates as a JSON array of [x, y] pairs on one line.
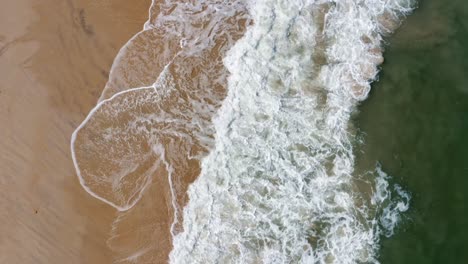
[[416, 125], [248, 110]]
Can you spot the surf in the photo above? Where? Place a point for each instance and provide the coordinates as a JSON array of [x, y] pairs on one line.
[[279, 185], [225, 128]]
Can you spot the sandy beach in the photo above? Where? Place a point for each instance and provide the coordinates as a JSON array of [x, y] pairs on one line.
[[54, 61]]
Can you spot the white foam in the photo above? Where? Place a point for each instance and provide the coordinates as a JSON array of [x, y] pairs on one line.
[[279, 186], [390, 200]]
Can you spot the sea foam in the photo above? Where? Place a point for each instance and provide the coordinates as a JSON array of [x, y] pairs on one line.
[[277, 180], [279, 185]]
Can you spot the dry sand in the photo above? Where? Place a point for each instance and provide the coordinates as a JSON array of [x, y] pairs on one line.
[[54, 61]]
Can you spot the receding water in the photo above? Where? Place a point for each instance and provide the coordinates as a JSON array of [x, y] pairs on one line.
[[416, 125]]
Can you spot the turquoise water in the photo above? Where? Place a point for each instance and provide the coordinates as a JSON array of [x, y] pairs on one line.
[[415, 124]]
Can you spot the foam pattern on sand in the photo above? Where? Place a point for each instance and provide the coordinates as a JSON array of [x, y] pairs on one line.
[[140, 147], [166, 122]]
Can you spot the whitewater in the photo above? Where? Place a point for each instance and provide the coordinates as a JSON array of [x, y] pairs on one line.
[[278, 187], [256, 96]]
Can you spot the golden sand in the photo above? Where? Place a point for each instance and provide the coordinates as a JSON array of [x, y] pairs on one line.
[[54, 61]]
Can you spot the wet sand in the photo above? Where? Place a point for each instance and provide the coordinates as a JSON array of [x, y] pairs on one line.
[[54, 61]]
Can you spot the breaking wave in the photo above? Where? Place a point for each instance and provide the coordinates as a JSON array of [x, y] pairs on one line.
[[279, 187]]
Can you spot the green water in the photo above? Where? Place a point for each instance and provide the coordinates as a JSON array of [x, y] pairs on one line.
[[416, 125]]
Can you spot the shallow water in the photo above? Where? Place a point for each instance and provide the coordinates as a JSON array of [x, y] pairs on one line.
[[416, 126]]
